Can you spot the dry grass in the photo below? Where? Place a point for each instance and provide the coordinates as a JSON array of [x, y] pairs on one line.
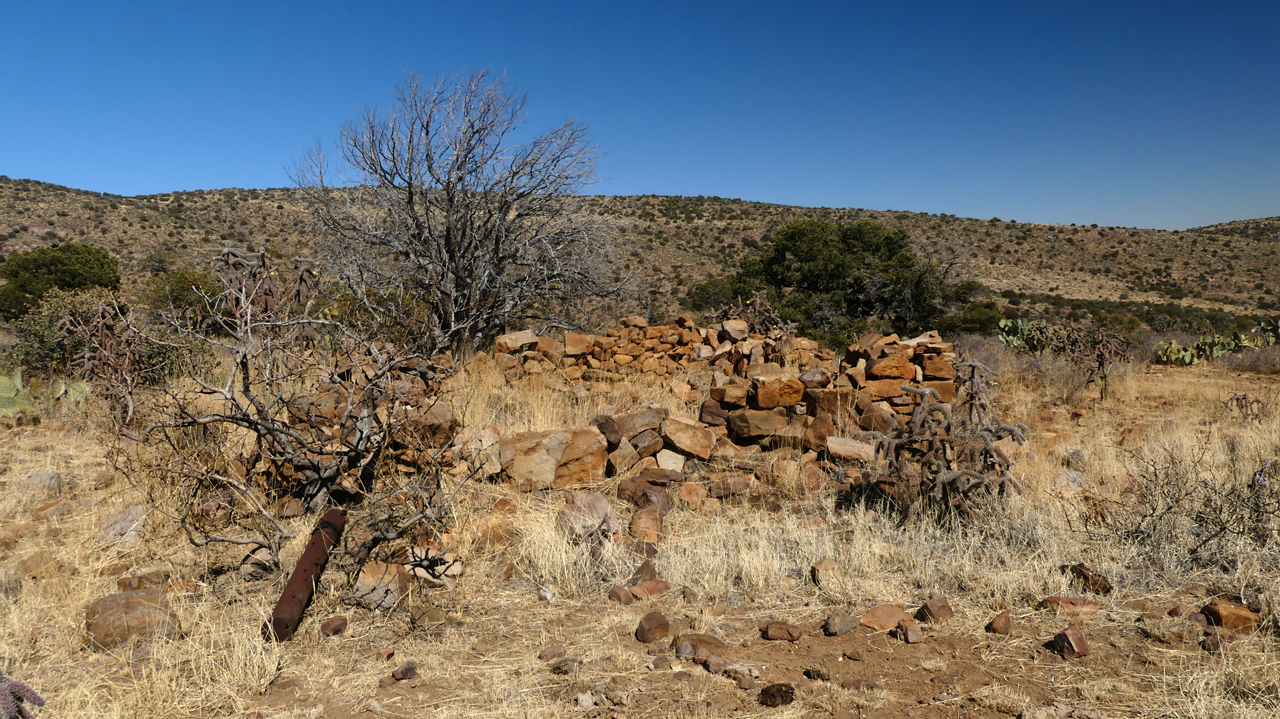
[[482, 661]]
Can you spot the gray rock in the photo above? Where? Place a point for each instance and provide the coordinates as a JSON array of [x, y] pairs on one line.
[[44, 481], [124, 528]]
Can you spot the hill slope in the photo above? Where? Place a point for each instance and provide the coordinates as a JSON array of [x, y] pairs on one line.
[[669, 243]]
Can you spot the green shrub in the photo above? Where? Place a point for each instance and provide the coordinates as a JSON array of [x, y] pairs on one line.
[[70, 266]]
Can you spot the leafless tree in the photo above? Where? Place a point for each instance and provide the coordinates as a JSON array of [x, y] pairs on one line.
[[445, 227]]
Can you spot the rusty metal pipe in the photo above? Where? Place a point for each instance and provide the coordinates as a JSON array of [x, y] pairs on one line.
[[288, 612]]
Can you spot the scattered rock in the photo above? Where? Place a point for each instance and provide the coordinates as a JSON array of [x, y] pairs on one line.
[[854, 654], [621, 595], [118, 618], [1230, 615], [124, 528], [857, 684], [52, 510], [424, 617], [643, 573], [1086, 579], [405, 671], [935, 611], [1216, 640], [646, 524], [333, 626], [258, 565], [838, 624], [586, 513], [381, 585], [908, 630], [1070, 643], [44, 481], [154, 579], [40, 565], [742, 675], [649, 589], [776, 695], [817, 674], [385, 653], [824, 572], [585, 701], [1071, 606], [11, 533], [653, 626], [688, 437], [781, 631], [550, 652], [884, 617], [1002, 624], [850, 450]]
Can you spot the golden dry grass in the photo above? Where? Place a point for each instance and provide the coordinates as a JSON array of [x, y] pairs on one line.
[[482, 660]]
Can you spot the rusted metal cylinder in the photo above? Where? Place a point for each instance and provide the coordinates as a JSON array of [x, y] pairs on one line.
[[287, 615]]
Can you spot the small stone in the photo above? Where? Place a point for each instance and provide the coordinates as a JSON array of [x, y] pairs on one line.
[[1231, 615], [688, 595], [908, 630], [854, 654], [653, 626], [1071, 606], [1071, 644], [643, 573], [1002, 623], [387, 682], [817, 674], [1215, 640], [776, 695], [385, 653], [824, 572], [425, 617], [333, 626], [781, 631], [565, 666], [838, 623], [715, 610], [857, 684], [650, 589], [405, 671], [1180, 611], [1086, 579], [713, 663], [621, 595], [380, 585], [123, 528], [153, 579], [553, 651], [682, 676], [585, 700], [935, 611], [883, 618]]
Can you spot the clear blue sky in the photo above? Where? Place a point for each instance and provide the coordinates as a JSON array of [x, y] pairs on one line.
[[1158, 114]]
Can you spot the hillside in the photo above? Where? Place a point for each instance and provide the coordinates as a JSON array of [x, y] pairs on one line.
[[669, 243]]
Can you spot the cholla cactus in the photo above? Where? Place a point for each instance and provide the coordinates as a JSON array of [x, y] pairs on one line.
[[12, 696]]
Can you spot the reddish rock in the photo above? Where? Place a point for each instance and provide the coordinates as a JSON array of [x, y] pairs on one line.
[[895, 366], [1071, 606], [516, 342], [1002, 623], [650, 589], [115, 619], [154, 579], [771, 392], [713, 414], [621, 595], [1230, 615], [550, 652], [781, 631], [732, 395], [688, 437], [646, 524], [333, 626], [1071, 644], [824, 572], [937, 368], [935, 611], [1216, 640], [1086, 579], [908, 630], [883, 618], [653, 626]]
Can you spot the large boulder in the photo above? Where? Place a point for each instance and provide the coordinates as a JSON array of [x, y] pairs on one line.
[[559, 458], [118, 618]]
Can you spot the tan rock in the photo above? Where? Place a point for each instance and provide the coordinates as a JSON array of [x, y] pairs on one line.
[[516, 342], [937, 368], [1230, 615], [908, 631], [935, 611], [563, 458], [653, 626], [646, 524], [732, 395], [850, 450], [734, 330], [946, 389], [670, 460], [1070, 606], [380, 585], [577, 345], [1001, 624], [649, 589], [688, 438], [756, 424], [825, 572], [118, 618], [781, 631], [895, 366], [632, 424], [770, 392], [1071, 644], [622, 458], [694, 495], [884, 617], [883, 389]]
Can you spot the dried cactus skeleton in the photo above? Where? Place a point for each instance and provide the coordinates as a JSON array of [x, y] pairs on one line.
[[14, 696], [759, 315], [946, 459]]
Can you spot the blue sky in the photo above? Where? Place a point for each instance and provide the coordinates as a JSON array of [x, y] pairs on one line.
[[1146, 114]]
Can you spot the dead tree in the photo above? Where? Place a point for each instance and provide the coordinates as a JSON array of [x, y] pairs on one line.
[[447, 230]]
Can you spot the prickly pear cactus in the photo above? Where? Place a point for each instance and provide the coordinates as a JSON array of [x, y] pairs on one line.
[[14, 398]]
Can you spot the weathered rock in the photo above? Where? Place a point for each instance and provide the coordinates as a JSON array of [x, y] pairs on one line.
[[659, 477], [10, 534], [646, 524], [730, 395], [734, 330], [946, 389], [258, 565], [380, 585], [771, 392], [118, 618], [124, 528], [576, 345], [883, 618], [622, 458], [816, 378], [1071, 606], [776, 695], [883, 389], [643, 573], [551, 652], [825, 572], [40, 565], [647, 443], [405, 672], [935, 611], [585, 513], [730, 485], [895, 366], [1086, 579], [781, 631], [1070, 643], [636, 422], [154, 579], [333, 626], [816, 434], [653, 626], [516, 342], [621, 595], [1230, 615], [670, 460], [48, 482], [713, 414], [52, 510], [649, 589], [850, 450], [754, 424], [1215, 640], [562, 458], [855, 684], [879, 417], [937, 368], [688, 438], [909, 631], [838, 624], [694, 495]]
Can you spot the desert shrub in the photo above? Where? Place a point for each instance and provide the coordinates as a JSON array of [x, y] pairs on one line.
[[41, 346], [830, 279], [71, 266]]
